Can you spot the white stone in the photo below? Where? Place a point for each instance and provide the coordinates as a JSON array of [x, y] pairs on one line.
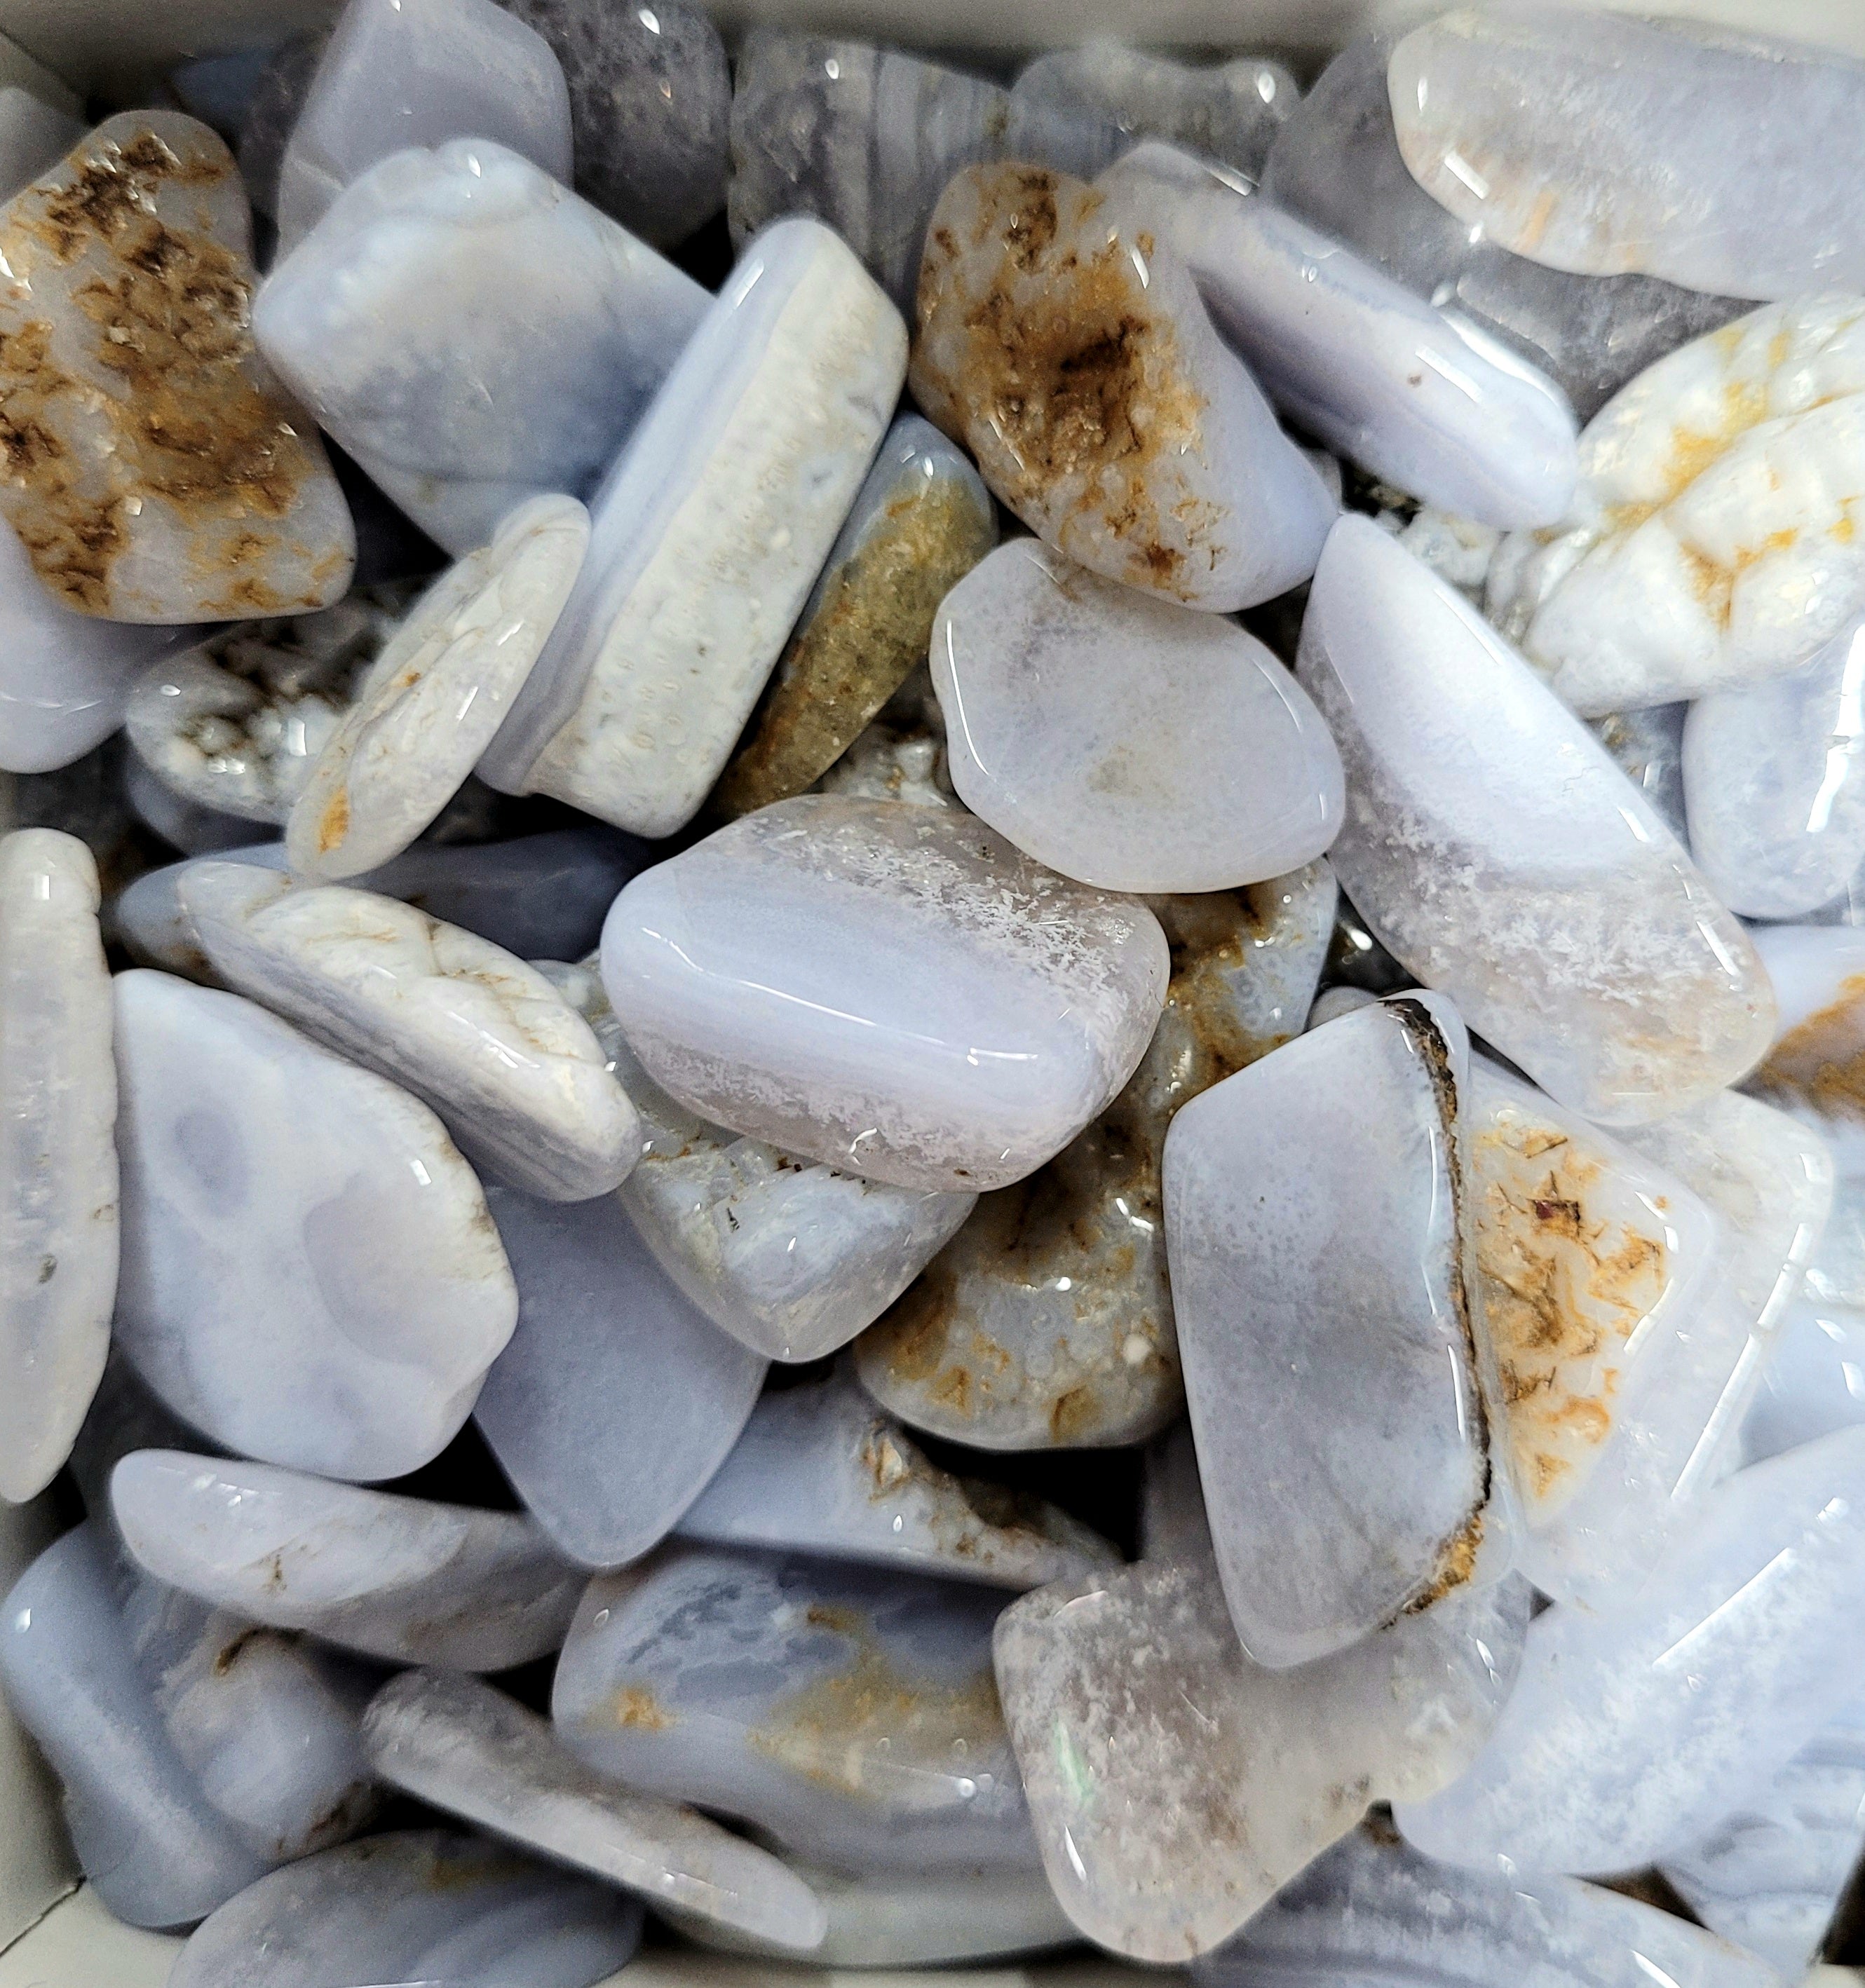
[[470, 1750], [1710, 1675], [437, 692], [706, 535], [57, 1158], [309, 1272], [892, 990], [1425, 401], [1123, 740], [819, 1469], [1647, 747], [397, 73], [403, 1579], [473, 333], [1523, 877], [1813, 1382], [514, 1070], [1714, 538]]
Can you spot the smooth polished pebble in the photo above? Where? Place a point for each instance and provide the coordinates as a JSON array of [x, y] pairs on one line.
[[1343, 1402], [819, 1469], [707, 534], [1813, 1382], [850, 1715], [1419, 398], [426, 1906], [1125, 741], [1604, 151], [1533, 887], [400, 73], [1710, 1675], [430, 704], [514, 1072], [58, 1154], [157, 473], [308, 1274], [1176, 1786], [1082, 372], [404, 1579], [891, 990], [473, 333], [617, 1399]]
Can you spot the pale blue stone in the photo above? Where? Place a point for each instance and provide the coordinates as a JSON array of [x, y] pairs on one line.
[[1814, 1381]]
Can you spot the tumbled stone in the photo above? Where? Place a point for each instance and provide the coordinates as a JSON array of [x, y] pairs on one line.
[[1318, 1231], [1176, 1786], [1604, 151], [404, 1579], [1534, 888], [1123, 740], [308, 1274], [897, 992], [401, 73], [1412, 395], [428, 708], [412, 1906], [820, 1470], [920, 522], [277, 96], [464, 1748], [850, 1715], [513, 1071], [1079, 367], [1337, 163], [58, 1156], [1813, 1382], [155, 471], [1646, 746], [473, 334], [1716, 1670], [617, 1399], [1047, 1322]]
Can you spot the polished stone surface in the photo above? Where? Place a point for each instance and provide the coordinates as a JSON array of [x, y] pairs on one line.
[[1813, 1382], [1647, 746]]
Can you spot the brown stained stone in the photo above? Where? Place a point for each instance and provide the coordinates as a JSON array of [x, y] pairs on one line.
[[153, 469], [1820, 1062]]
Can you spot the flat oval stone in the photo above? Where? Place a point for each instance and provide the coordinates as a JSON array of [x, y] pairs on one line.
[[1123, 740], [309, 1272], [124, 324], [894, 991], [58, 1155], [1539, 890], [404, 1579], [1079, 368], [850, 1714]]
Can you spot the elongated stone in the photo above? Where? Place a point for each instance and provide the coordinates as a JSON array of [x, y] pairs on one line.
[[1813, 1383], [850, 1714], [1712, 1673], [308, 1274], [1046, 1321], [403, 1579], [1318, 1231], [707, 534], [1601, 151], [429, 707], [820, 1470], [513, 1069], [1647, 746], [1421, 399], [1123, 740], [1558, 911], [400, 73], [155, 471], [894, 991], [1373, 1909], [1176, 1786], [920, 522], [58, 1159], [415, 1905], [1337, 163], [1079, 368], [617, 1399], [471, 333], [472, 1751]]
